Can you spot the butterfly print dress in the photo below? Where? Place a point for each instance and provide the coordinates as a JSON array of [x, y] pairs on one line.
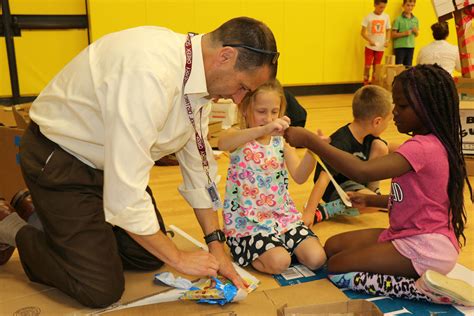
[[257, 199]]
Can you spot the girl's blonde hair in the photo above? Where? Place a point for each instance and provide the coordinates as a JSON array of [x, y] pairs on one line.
[[248, 102]]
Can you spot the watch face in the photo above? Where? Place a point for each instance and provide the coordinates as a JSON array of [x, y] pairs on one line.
[[220, 235]]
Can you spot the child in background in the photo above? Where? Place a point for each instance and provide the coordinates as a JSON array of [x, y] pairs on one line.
[[372, 111], [426, 204], [405, 29], [261, 223], [376, 31]]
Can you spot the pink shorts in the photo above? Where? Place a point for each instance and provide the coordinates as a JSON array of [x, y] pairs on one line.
[[428, 251]]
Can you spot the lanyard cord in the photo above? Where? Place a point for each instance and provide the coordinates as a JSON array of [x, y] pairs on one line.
[[201, 147]]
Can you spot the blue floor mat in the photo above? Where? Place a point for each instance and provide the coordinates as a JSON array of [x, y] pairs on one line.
[[298, 273]]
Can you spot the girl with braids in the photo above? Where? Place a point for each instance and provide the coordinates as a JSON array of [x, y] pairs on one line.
[[426, 205]]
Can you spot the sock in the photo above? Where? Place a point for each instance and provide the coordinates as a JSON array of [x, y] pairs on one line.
[[343, 280], [320, 215], [9, 227], [380, 285], [337, 207], [34, 221]]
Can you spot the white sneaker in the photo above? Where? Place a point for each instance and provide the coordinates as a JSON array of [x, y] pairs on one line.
[[444, 290]]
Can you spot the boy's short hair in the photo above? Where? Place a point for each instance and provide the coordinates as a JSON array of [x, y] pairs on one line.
[[405, 1], [440, 30], [377, 2], [370, 102]]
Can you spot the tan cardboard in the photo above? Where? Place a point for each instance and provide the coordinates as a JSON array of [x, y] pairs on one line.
[[384, 75], [469, 160], [11, 179], [6, 116], [353, 307], [21, 115], [465, 85], [466, 113], [266, 302]]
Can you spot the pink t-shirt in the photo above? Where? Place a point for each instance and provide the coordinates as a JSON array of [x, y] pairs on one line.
[[419, 202]]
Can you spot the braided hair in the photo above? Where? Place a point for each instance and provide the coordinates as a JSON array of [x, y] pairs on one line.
[[431, 92]]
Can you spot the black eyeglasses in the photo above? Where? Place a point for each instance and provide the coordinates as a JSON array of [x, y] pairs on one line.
[[257, 50]]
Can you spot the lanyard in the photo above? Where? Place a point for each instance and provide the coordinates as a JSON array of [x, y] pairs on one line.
[[188, 47]]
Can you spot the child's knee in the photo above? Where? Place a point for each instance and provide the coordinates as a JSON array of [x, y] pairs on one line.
[[274, 263], [331, 247], [313, 260]]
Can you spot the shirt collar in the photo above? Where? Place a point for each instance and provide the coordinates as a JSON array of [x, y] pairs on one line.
[[196, 84]]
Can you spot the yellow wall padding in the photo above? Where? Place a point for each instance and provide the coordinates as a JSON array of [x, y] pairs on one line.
[[319, 40], [40, 54]]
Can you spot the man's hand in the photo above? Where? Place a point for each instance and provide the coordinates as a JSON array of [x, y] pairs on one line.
[[200, 263], [226, 268], [296, 136]]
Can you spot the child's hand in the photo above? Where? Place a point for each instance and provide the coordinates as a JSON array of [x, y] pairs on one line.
[[321, 135], [308, 218], [407, 33], [358, 199], [296, 136], [278, 126]]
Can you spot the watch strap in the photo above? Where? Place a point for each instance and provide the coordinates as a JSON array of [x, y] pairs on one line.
[[215, 235]]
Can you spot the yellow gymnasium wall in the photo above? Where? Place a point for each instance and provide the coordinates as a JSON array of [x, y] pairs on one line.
[[319, 40]]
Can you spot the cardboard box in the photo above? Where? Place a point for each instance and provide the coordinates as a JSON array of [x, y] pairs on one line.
[[6, 116], [464, 85], [465, 34], [11, 179], [443, 7], [354, 307], [466, 113], [225, 111], [384, 75], [469, 160], [15, 119]]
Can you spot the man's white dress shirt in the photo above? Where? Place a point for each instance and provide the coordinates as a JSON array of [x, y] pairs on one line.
[[118, 106], [441, 53]]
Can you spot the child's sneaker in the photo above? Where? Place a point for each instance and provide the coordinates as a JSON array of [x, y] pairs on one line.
[[444, 290]]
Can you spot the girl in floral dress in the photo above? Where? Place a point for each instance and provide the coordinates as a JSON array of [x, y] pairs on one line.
[[261, 223]]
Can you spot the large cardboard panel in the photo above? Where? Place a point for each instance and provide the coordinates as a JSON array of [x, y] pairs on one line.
[[265, 302], [354, 307]]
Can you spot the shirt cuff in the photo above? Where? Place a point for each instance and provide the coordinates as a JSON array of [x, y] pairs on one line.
[[197, 198], [137, 221]]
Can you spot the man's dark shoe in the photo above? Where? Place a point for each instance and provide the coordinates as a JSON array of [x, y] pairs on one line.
[[6, 251], [23, 204]]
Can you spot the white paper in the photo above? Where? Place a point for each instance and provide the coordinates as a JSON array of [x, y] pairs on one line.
[[342, 194]]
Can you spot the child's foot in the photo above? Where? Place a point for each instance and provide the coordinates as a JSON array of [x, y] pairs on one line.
[[444, 290]]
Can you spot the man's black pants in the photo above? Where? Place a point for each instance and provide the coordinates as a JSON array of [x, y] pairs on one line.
[[78, 252]]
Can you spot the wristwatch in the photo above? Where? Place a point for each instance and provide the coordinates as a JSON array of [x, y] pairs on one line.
[[215, 235]]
